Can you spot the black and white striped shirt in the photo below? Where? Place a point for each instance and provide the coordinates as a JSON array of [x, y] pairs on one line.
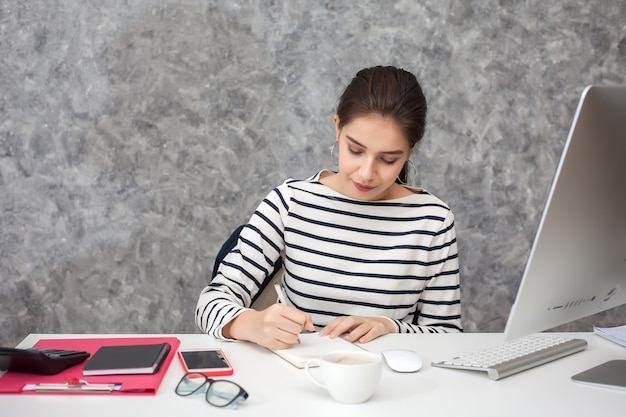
[[344, 257]]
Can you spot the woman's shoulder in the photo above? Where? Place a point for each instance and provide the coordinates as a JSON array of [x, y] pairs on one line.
[[291, 185], [311, 182], [423, 195]]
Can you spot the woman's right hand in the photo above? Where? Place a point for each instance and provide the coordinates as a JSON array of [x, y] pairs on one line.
[[276, 327]]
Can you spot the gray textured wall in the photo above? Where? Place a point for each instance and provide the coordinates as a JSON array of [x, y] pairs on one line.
[[134, 135]]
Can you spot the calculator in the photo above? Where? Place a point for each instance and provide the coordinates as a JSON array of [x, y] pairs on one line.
[[39, 360]]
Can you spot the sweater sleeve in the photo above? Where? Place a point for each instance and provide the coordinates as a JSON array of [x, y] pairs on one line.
[[244, 269], [439, 308]]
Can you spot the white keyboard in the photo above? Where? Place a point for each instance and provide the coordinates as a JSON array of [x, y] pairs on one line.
[[515, 355]]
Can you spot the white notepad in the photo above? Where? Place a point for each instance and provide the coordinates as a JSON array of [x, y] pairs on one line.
[[312, 346], [614, 334]]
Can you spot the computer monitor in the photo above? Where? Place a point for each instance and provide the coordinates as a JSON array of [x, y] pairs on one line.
[[577, 264]]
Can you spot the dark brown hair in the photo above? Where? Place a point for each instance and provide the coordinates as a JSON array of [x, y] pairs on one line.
[[391, 93]]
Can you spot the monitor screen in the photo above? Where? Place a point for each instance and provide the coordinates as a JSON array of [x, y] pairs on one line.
[[577, 264]]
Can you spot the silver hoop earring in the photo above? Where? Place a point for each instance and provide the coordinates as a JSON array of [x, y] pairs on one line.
[[332, 155], [408, 164]]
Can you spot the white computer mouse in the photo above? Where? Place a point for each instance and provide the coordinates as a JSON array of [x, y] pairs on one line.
[[403, 360]]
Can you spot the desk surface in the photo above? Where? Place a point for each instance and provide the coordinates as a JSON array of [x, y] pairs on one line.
[[278, 389]]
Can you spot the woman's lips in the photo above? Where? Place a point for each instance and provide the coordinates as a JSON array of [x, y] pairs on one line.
[[363, 188]]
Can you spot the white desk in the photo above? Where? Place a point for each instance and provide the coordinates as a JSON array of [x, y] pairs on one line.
[[279, 389]]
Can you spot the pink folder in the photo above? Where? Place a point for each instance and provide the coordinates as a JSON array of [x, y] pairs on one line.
[[14, 382]]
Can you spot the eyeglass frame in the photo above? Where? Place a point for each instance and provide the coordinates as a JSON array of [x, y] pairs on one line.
[[242, 395]]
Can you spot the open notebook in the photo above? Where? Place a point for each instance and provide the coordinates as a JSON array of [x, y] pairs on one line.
[[312, 346]]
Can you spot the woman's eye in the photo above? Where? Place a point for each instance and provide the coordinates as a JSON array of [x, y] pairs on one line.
[[386, 161]]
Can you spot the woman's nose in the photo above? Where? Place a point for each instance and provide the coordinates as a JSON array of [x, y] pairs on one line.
[[368, 170]]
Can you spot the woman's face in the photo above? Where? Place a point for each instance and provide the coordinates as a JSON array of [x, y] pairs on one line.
[[372, 151]]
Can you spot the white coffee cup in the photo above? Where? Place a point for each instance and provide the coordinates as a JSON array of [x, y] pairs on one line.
[[349, 376]]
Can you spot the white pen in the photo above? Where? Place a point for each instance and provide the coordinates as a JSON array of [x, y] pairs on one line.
[[282, 297], [72, 387]]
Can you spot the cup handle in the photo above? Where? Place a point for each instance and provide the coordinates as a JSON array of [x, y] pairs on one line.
[[307, 367]]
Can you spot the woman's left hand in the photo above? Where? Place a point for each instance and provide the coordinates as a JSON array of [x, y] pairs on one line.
[[358, 329]]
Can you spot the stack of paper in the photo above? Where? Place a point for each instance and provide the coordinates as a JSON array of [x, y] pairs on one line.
[[614, 334]]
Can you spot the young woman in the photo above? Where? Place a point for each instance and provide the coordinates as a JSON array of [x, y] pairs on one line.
[[364, 254]]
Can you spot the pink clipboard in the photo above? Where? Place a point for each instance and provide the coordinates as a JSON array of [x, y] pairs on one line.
[[14, 382]]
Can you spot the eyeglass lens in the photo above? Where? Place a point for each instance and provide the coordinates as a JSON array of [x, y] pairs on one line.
[[190, 383], [222, 393]]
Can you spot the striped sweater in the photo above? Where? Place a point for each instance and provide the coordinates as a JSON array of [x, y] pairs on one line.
[[395, 258]]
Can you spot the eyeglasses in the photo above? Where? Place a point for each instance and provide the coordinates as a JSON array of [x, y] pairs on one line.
[[219, 393]]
